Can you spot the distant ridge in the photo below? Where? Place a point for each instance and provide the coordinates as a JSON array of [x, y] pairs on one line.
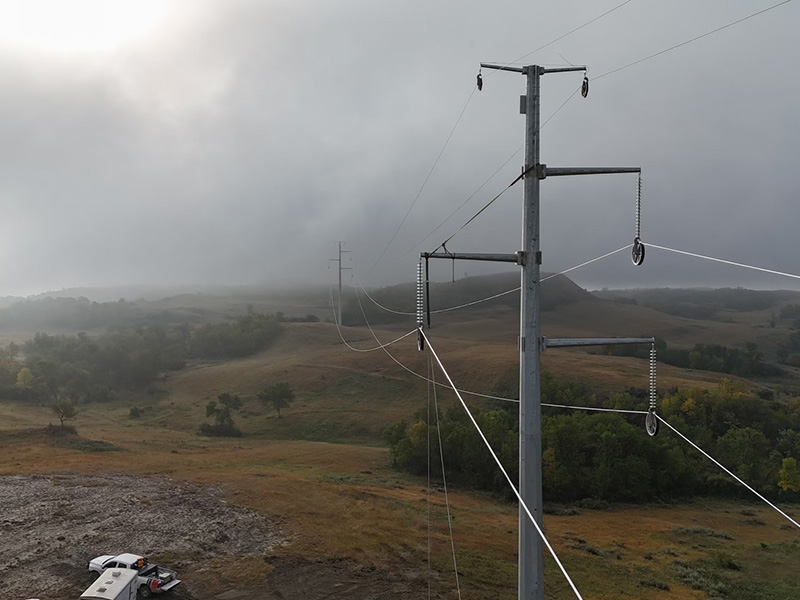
[[152, 293], [558, 291]]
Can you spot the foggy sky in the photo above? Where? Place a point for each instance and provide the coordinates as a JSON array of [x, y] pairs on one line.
[[240, 140]]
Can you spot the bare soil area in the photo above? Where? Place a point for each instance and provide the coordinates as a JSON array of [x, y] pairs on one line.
[[52, 525]]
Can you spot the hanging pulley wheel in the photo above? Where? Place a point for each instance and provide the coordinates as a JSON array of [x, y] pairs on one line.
[[420, 340], [637, 252], [651, 423], [585, 87]]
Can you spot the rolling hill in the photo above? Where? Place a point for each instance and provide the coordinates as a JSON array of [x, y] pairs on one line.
[[322, 472]]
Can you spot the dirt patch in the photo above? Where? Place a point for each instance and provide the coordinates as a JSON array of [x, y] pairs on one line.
[[53, 525]]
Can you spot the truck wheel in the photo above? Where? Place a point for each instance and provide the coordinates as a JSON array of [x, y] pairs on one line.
[[144, 591]]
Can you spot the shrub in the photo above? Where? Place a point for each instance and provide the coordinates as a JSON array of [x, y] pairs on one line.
[[219, 430]]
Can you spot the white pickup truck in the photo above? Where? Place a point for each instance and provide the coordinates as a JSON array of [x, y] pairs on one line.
[[151, 579]]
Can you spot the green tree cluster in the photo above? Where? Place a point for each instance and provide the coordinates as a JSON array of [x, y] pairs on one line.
[[82, 368], [222, 410], [467, 461], [246, 335], [610, 456], [788, 349], [706, 357]]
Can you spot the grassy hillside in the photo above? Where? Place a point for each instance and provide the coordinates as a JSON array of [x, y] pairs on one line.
[[322, 469], [343, 501]]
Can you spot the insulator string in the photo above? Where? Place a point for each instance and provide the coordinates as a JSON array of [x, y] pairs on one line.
[[639, 208], [420, 295], [653, 392]]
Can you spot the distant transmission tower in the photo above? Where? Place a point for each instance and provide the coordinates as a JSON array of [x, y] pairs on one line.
[[341, 268]]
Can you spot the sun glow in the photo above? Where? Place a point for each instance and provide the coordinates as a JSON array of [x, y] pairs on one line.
[[77, 26]]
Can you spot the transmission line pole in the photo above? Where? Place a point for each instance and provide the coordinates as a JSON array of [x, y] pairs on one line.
[[341, 268], [531, 342], [531, 558]]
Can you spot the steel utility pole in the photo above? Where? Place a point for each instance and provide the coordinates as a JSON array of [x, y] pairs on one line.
[[530, 576], [531, 558], [341, 268], [531, 342]]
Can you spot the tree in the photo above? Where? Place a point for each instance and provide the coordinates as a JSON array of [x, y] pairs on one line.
[[222, 410], [745, 451], [65, 411], [24, 379], [279, 395], [49, 377], [789, 476]]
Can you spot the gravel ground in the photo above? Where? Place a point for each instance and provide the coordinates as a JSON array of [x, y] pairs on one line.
[[50, 526]]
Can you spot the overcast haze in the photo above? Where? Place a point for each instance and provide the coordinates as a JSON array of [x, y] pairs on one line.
[[195, 142]]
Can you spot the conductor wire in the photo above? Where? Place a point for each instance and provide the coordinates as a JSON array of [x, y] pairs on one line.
[[726, 262], [505, 293], [505, 473], [424, 183], [694, 39], [488, 204], [728, 471], [444, 477]]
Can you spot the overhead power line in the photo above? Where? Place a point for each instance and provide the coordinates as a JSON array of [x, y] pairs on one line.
[[607, 73], [464, 203], [588, 262], [694, 39], [458, 121], [459, 393], [444, 476], [728, 471], [381, 346], [487, 205], [488, 298], [503, 471], [558, 39], [425, 182], [725, 262]]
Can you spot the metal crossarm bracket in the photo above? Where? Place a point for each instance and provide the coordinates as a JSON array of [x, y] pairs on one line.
[[573, 342], [543, 171], [512, 258], [524, 70]]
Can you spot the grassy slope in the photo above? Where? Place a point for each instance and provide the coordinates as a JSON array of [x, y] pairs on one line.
[[344, 499]]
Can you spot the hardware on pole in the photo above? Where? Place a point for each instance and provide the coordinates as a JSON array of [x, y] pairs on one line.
[[531, 343]]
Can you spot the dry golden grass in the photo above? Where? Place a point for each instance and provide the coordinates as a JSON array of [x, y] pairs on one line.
[[345, 500], [336, 500]]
